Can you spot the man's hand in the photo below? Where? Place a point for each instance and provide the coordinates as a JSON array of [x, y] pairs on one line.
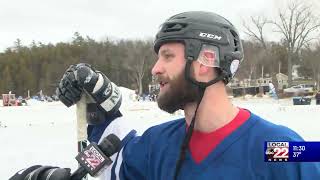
[[38, 172], [69, 91], [82, 78]]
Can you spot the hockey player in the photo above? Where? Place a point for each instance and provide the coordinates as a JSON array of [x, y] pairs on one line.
[[102, 109], [198, 54]]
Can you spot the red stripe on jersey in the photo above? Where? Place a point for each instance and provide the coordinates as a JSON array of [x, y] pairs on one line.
[[202, 144]]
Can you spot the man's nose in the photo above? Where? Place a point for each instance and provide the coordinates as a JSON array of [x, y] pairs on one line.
[[157, 68]]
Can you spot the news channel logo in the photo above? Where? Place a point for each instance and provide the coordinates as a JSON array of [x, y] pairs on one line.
[[277, 151]]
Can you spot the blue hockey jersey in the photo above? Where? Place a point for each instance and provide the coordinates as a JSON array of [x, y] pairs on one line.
[[239, 156]]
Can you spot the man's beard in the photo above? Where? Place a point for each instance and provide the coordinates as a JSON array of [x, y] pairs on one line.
[[179, 93]]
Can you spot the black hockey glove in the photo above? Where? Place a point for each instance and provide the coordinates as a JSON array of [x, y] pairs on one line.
[[69, 90], [82, 77], [38, 172]]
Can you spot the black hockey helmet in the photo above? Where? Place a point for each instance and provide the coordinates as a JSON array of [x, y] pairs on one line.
[[199, 31]]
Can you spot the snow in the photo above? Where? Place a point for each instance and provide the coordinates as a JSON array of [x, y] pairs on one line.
[[44, 132]]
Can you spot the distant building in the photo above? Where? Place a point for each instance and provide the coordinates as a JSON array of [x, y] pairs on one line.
[[282, 80], [263, 81], [234, 83]]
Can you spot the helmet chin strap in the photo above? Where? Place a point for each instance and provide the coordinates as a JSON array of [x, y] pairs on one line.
[[201, 87], [187, 138]]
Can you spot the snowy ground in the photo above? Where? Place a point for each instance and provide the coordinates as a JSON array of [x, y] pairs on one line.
[[44, 133]]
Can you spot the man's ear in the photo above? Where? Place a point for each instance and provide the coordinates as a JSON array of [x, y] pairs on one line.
[[203, 70]]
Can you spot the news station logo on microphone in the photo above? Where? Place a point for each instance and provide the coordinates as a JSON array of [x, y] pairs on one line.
[[92, 159], [277, 151]]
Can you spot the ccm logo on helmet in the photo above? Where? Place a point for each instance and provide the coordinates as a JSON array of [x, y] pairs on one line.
[[210, 36]]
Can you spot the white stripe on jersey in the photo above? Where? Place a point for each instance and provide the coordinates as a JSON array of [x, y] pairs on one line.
[[119, 162], [120, 128]]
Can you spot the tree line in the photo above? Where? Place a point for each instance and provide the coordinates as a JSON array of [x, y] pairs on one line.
[[41, 66]]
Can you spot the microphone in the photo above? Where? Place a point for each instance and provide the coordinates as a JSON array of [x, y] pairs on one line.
[[95, 157]]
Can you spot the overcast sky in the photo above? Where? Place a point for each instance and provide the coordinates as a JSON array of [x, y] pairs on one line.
[[57, 20]]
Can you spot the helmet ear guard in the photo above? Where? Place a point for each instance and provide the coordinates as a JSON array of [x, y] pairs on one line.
[[209, 56], [226, 65]]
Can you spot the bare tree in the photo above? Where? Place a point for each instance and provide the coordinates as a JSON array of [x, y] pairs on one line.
[[138, 61], [256, 32], [253, 55], [311, 62], [296, 23]]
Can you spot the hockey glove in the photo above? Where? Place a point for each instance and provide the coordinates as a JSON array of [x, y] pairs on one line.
[[82, 77], [38, 172], [68, 91]]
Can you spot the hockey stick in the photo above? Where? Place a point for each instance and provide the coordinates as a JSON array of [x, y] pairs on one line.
[[81, 112]]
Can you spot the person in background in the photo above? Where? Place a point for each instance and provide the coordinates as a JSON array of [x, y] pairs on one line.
[[318, 98]]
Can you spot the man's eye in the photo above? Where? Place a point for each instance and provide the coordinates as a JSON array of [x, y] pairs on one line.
[[167, 56]]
